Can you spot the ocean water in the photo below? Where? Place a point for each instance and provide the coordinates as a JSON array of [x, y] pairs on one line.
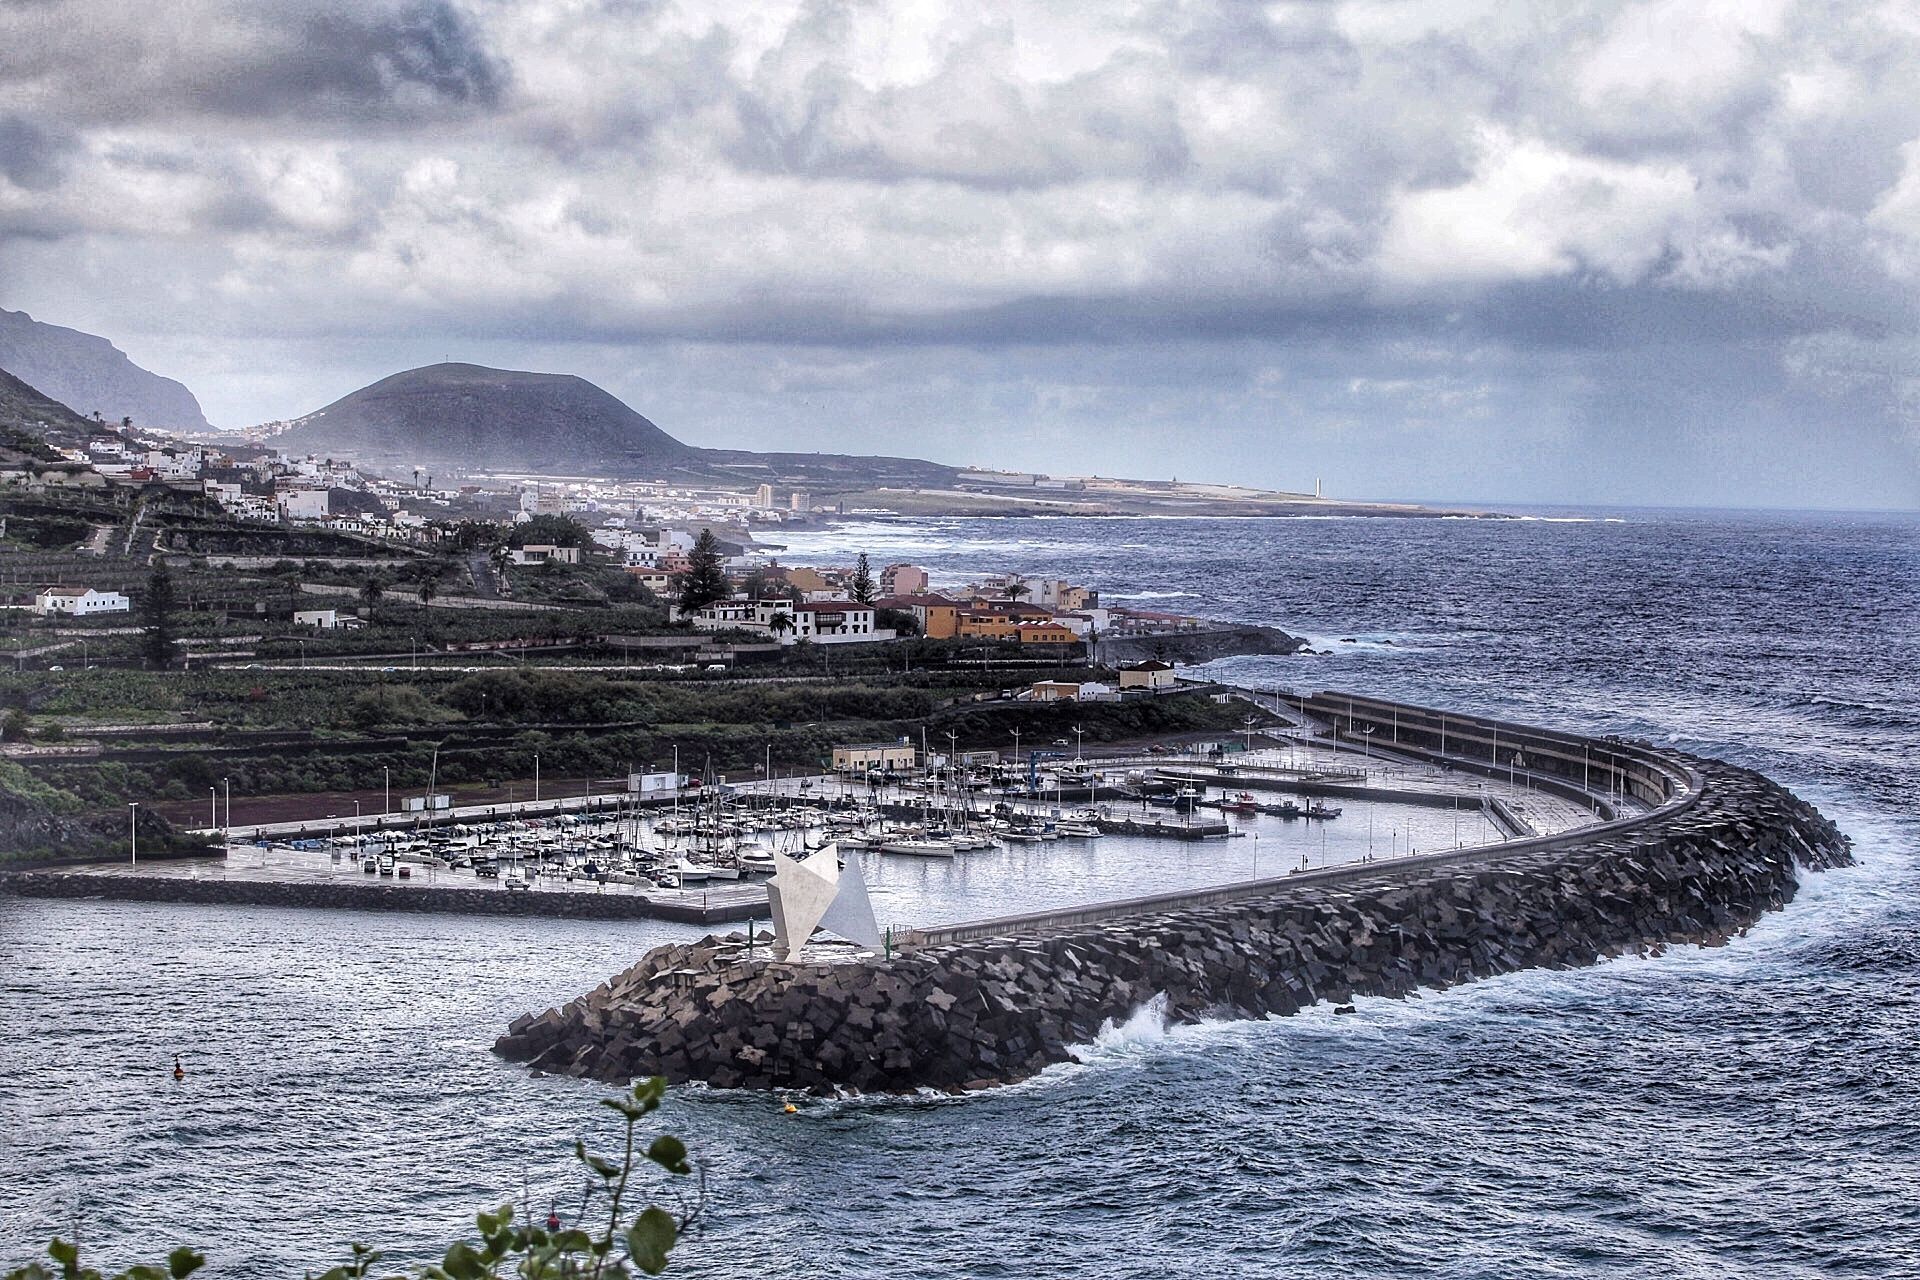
[[1750, 1110]]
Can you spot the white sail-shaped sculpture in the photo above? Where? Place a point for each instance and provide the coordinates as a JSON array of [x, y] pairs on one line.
[[850, 914], [817, 894]]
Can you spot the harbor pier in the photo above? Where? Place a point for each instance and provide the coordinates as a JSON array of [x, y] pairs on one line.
[[1699, 851]]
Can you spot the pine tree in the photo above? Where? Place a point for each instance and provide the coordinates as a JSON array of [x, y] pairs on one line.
[[862, 580], [705, 580], [158, 609]]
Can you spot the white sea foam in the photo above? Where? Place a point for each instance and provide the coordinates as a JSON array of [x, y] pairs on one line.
[[1144, 1028]]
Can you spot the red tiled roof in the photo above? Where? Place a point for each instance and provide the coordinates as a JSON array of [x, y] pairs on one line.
[[925, 601]]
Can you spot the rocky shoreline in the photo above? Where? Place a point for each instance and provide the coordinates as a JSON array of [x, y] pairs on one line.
[[973, 1014], [1217, 640]]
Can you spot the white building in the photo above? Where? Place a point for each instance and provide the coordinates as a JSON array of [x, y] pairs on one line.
[[78, 602], [831, 621], [544, 553], [819, 621], [320, 619], [304, 504]]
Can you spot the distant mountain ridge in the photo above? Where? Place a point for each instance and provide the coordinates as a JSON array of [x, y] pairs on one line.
[[474, 419], [90, 373]]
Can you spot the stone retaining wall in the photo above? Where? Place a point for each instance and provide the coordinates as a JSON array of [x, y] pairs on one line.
[[354, 895], [971, 1014]]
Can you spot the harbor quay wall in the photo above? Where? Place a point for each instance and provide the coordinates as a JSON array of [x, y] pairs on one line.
[[352, 895], [997, 1001]]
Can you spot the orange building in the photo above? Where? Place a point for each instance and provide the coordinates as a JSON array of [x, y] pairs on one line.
[[978, 624], [939, 617]]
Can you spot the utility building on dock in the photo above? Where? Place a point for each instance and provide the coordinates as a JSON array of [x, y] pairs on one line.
[[861, 757]]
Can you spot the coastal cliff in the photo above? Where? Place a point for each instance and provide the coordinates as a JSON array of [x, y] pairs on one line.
[[996, 1009]]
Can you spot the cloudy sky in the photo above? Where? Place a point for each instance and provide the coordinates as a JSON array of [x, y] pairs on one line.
[[1622, 250]]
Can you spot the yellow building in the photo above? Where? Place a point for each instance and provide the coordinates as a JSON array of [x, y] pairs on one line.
[[1151, 674], [1043, 633], [861, 757]]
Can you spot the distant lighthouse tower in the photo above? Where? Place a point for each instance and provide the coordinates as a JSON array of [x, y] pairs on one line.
[[1316, 486]]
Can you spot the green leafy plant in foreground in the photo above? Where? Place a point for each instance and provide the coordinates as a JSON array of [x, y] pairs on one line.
[[531, 1250]]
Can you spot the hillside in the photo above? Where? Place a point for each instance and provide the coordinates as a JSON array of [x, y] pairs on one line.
[[30, 418], [467, 418], [90, 373]]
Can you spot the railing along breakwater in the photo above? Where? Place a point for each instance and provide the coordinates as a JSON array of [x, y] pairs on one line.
[[996, 1001]]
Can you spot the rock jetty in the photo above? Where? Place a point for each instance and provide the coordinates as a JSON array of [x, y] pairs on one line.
[[970, 1014]]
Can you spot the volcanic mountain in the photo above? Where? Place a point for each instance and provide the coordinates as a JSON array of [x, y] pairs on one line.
[[479, 419], [467, 418]]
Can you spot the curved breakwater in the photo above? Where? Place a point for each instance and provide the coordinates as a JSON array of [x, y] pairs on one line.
[[996, 1001]]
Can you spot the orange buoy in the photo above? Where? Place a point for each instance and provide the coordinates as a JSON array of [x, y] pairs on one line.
[[179, 1072]]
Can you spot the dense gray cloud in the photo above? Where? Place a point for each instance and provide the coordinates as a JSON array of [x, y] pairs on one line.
[[1427, 246], [188, 61]]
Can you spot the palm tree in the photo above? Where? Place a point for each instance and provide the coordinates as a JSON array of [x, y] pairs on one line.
[[370, 592], [427, 591], [1015, 589], [780, 623]]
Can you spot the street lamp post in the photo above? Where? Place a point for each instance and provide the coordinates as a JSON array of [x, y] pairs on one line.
[[133, 833], [386, 790], [536, 777]]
